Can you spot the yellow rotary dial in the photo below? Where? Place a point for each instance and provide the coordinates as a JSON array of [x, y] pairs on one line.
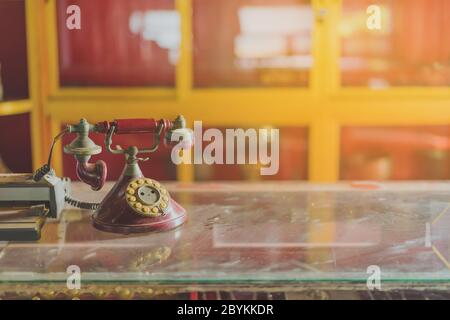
[[147, 197]]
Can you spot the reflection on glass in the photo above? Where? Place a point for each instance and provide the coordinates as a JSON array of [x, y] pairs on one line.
[[395, 153], [252, 42], [412, 48], [293, 159], [120, 43], [279, 234]]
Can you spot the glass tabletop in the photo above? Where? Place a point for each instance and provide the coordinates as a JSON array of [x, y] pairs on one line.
[[243, 232]]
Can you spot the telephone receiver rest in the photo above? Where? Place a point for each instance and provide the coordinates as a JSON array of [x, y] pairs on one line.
[[82, 147], [182, 136]]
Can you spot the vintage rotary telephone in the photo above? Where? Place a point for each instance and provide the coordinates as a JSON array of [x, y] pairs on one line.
[[135, 203]]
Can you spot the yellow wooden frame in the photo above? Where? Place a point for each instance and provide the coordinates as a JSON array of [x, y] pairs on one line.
[[15, 107], [324, 107]]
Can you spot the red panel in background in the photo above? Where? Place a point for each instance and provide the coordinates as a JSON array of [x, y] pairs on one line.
[[395, 153], [216, 27], [159, 166], [15, 142], [104, 52], [13, 50], [293, 161]]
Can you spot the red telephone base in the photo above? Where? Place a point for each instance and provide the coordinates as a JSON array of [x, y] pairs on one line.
[[116, 215], [175, 216]]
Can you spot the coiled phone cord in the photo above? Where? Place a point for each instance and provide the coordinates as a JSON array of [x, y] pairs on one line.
[[46, 168], [81, 204]]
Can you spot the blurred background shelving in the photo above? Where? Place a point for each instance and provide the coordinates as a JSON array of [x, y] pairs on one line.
[[411, 49], [351, 103]]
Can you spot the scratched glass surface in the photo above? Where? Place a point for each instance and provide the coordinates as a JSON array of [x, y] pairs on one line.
[[256, 232]]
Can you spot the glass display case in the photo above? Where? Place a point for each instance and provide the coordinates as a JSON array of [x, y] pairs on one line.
[[285, 238], [351, 103]]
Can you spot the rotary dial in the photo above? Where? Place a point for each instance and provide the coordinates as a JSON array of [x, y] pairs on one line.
[[147, 197]]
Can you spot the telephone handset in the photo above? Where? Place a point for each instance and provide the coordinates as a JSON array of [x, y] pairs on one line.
[[135, 203]]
